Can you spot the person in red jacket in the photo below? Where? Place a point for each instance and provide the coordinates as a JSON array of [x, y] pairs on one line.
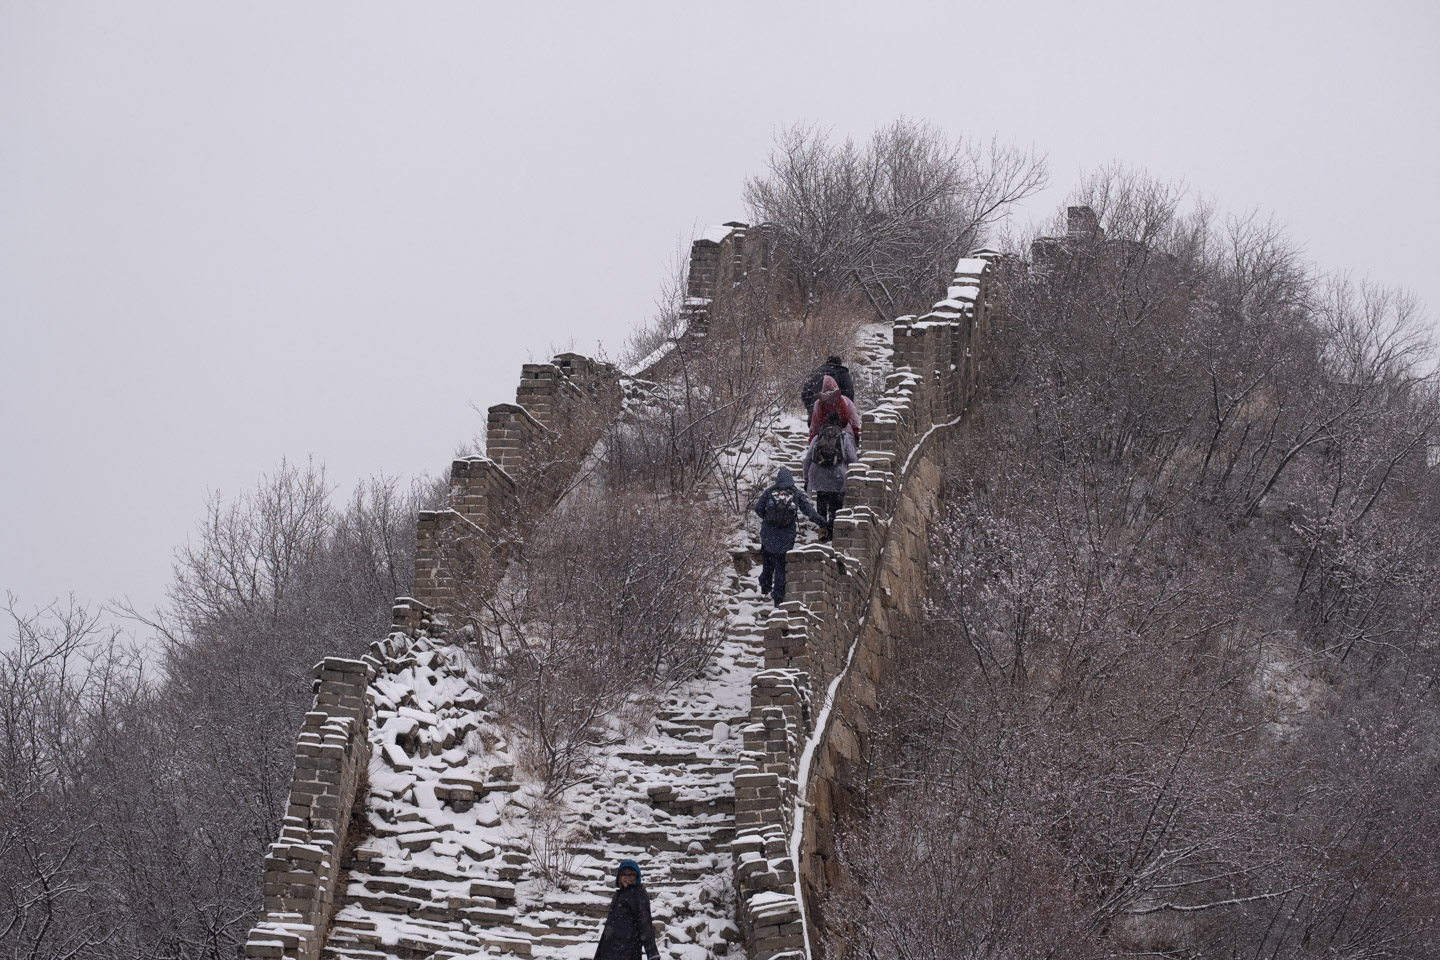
[[833, 403]]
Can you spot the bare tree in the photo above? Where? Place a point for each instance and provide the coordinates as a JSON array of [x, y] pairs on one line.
[[64, 681], [1175, 682], [611, 600], [138, 808], [885, 222]]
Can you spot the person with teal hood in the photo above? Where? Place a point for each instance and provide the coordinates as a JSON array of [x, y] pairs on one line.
[[628, 927], [779, 509]]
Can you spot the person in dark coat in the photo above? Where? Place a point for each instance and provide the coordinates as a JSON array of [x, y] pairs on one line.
[[827, 461], [832, 404], [627, 926], [832, 367], [779, 508]]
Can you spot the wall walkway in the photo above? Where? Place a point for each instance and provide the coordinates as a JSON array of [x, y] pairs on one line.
[[409, 835]]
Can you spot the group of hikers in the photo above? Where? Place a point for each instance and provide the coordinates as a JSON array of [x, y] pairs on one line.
[[829, 399]]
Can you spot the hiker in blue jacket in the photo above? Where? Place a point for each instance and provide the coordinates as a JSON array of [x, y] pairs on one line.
[[627, 926], [779, 508]]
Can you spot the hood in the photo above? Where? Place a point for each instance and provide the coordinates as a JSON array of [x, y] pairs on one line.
[[631, 864], [828, 385], [784, 479]]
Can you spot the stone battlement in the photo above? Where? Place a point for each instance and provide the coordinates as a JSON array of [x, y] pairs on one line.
[[534, 447]]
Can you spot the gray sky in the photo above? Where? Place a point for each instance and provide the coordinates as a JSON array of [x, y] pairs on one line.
[[231, 233]]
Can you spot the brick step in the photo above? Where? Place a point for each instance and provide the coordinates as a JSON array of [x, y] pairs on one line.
[[566, 940], [692, 806], [657, 758], [420, 890], [482, 891], [388, 903], [640, 841], [419, 940], [595, 905], [686, 716], [342, 947], [567, 925], [389, 868], [689, 734]]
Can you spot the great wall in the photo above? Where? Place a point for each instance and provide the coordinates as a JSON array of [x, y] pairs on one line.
[[409, 831]]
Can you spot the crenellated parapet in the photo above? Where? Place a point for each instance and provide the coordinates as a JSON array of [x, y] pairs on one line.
[[302, 867], [723, 255], [760, 784], [533, 449]]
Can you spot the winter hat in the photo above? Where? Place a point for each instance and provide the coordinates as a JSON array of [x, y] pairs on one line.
[[834, 359], [784, 478], [627, 865]]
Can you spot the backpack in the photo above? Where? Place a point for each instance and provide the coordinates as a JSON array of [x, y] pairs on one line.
[[781, 511], [829, 446]]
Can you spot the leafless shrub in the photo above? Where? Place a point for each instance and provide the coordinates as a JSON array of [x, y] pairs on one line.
[[884, 222], [668, 321], [612, 599], [704, 424], [1201, 470], [554, 845]]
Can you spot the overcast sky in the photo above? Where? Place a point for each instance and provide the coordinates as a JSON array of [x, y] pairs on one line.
[[235, 232]]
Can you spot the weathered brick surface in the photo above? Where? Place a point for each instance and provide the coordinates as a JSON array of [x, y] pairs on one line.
[[533, 448], [302, 868]]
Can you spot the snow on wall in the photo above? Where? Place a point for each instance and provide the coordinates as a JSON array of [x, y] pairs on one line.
[[533, 448], [719, 257], [536, 444], [302, 868], [730, 798]]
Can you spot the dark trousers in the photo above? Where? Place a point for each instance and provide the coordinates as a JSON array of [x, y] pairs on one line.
[[827, 505], [772, 572]]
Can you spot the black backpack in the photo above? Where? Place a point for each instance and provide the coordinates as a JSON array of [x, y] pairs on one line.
[[829, 446], [781, 510]]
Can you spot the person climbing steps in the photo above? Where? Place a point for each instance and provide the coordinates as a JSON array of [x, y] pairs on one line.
[[779, 508], [827, 461], [832, 404], [833, 367]]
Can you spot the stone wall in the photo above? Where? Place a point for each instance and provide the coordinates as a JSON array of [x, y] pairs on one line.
[[722, 255], [534, 447], [827, 647], [302, 868], [719, 258], [824, 651]]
